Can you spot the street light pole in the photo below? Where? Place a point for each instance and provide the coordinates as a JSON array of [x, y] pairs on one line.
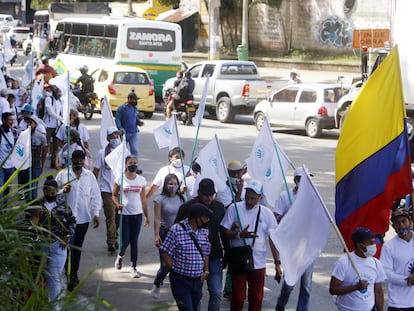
[[245, 24], [213, 26]]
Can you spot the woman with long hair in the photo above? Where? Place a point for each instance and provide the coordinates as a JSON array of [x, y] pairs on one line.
[[166, 206], [133, 204]]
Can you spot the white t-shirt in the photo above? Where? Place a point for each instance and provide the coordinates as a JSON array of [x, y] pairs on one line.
[[169, 169], [53, 112], [131, 199], [267, 221], [397, 257], [371, 270], [106, 176]]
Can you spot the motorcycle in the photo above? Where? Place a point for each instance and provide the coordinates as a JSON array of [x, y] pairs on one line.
[[88, 102], [184, 110]]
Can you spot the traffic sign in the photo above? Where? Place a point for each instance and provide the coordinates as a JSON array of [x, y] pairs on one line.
[[372, 38]]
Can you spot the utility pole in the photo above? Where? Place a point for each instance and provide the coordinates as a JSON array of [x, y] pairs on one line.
[[213, 28], [245, 24]]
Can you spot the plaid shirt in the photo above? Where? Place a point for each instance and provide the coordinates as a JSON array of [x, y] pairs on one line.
[[180, 247]]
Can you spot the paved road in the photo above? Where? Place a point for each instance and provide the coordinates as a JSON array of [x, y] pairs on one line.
[[124, 293]]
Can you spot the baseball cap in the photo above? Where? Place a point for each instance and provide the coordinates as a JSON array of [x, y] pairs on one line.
[[111, 130], [399, 212], [234, 166], [362, 234], [4, 92], [256, 186], [198, 209], [32, 118], [300, 171], [28, 108], [206, 186]]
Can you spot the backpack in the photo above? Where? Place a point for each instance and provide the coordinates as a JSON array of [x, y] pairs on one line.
[[40, 108]]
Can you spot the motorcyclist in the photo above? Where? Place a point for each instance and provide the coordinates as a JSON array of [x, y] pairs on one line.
[[170, 103], [184, 90], [85, 82]]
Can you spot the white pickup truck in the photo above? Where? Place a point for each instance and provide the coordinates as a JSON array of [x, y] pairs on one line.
[[235, 87]]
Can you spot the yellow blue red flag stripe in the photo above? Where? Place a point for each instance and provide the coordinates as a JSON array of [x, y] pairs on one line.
[[373, 165]]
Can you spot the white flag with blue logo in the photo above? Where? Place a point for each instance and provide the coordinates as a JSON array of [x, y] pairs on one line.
[[28, 75], [212, 164], [21, 154], [107, 121], [268, 163], [116, 159], [62, 82], [166, 135]]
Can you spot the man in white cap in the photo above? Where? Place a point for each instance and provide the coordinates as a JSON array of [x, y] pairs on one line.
[[235, 170], [106, 179], [249, 224], [285, 202]]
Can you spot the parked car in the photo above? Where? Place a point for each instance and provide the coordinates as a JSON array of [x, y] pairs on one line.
[[117, 82], [19, 34], [235, 87], [345, 102], [6, 19], [301, 106]]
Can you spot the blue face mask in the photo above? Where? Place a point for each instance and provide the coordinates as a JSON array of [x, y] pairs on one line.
[[403, 232], [114, 142]]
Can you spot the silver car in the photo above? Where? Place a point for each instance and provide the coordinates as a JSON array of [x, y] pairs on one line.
[[301, 106]]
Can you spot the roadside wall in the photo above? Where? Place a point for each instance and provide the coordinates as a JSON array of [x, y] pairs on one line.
[[324, 25]]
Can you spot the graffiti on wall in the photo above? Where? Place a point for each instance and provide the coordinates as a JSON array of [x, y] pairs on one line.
[[335, 32]]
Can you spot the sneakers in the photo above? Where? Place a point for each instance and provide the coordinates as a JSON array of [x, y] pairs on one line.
[[134, 273], [155, 292], [118, 263]]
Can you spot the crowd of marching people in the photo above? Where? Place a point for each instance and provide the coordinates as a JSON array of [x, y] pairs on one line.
[[201, 227]]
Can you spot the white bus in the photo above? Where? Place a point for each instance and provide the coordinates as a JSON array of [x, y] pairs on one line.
[[151, 45]]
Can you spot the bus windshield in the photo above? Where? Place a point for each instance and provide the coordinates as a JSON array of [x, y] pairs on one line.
[[151, 45]]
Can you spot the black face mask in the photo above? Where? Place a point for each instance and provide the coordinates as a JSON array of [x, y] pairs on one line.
[[77, 166], [132, 168], [204, 225], [50, 198]]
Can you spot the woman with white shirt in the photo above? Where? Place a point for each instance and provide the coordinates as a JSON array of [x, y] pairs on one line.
[[131, 207]]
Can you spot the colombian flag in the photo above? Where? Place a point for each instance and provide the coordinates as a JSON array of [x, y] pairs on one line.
[[373, 164]]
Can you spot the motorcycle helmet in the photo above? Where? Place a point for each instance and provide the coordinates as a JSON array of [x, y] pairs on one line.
[[84, 69], [44, 60]]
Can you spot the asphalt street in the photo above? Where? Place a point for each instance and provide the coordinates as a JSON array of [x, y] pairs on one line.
[[121, 292]]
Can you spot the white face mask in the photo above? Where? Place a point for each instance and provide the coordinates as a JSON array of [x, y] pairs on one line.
[[371, 250], [176, 163], [234, 180]]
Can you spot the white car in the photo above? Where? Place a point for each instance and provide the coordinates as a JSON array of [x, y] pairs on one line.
[[301, 106], [19, 34], [344, 102]]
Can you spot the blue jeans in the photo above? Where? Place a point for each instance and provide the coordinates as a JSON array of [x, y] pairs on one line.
[[304, 292], [215, 284], [5, 174], [56, 257], [132, 139], [187, 291], [163, 270], [77, 240], [131, 226]]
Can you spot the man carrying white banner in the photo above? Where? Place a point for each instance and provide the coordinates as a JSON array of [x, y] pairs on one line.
[[304, 223]]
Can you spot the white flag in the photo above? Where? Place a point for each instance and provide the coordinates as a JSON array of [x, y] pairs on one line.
[[212, 165], [116, 159], [107, 121], [3, 84], [28, 75], [200, 110], [9, 53], [37, 92], [22, 152], [166, 134], [303, 232], [62, 82], [268, 163]]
